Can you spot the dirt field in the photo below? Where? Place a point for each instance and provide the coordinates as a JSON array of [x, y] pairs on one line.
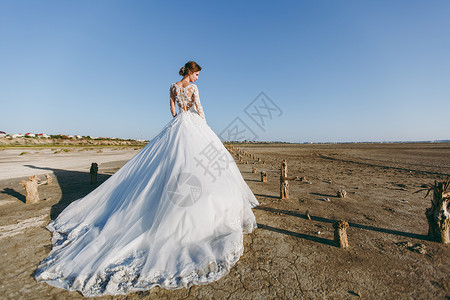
[[288, 256], [18, 162]]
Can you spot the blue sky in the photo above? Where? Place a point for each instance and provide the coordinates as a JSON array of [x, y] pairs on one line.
[[337, 70]]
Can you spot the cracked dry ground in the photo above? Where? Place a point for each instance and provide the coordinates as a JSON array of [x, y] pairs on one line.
[[289, 256]]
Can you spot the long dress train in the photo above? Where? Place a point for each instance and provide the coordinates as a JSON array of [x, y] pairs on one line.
[[173, 216]]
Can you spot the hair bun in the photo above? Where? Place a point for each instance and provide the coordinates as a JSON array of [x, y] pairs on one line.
[[190, 67]]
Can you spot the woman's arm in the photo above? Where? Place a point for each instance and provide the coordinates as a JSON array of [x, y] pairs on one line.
[[198, 105], [172, 103]]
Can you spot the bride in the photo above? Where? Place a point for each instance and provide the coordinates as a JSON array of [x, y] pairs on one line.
[[173, 216]]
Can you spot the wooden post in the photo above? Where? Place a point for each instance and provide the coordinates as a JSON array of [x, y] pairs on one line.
[[31, 186], [49, 180], [94, 172], [341, 193], [438, 215], [340, 234], [284, 184], [307, 214], [263, 176]]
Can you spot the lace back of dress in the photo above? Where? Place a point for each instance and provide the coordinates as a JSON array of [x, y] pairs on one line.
[[187, 97]]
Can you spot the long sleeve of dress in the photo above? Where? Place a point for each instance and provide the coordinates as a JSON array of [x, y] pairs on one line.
[[172, 102], [198, 105]]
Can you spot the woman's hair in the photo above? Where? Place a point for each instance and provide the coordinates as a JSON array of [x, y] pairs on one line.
[[190, 66]]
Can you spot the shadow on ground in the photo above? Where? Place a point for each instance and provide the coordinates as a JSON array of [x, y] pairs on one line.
[[325, 195], [73, 184], [267, 196], [351, 224], [298, 235], [14, 193]]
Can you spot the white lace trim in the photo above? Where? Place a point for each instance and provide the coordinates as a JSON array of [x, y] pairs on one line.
[[124, 276]]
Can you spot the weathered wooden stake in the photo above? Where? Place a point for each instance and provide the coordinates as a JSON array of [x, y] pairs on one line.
[[31, 186], [307, 214], [340, 233], [263, 176], [49, 180], [284, 184], [341, 193], [94, 172], [438, 215]]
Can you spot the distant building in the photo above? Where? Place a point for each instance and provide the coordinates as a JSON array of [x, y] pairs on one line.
[[70, 136], [29, 134], [43, 135], [17, 135], [78, 137], [2, 134]]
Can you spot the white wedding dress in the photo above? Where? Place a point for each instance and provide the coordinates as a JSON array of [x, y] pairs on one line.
[[173, 216]]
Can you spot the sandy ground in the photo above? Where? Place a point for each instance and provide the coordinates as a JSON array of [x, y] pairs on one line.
[[26, 162], [288, 256]]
